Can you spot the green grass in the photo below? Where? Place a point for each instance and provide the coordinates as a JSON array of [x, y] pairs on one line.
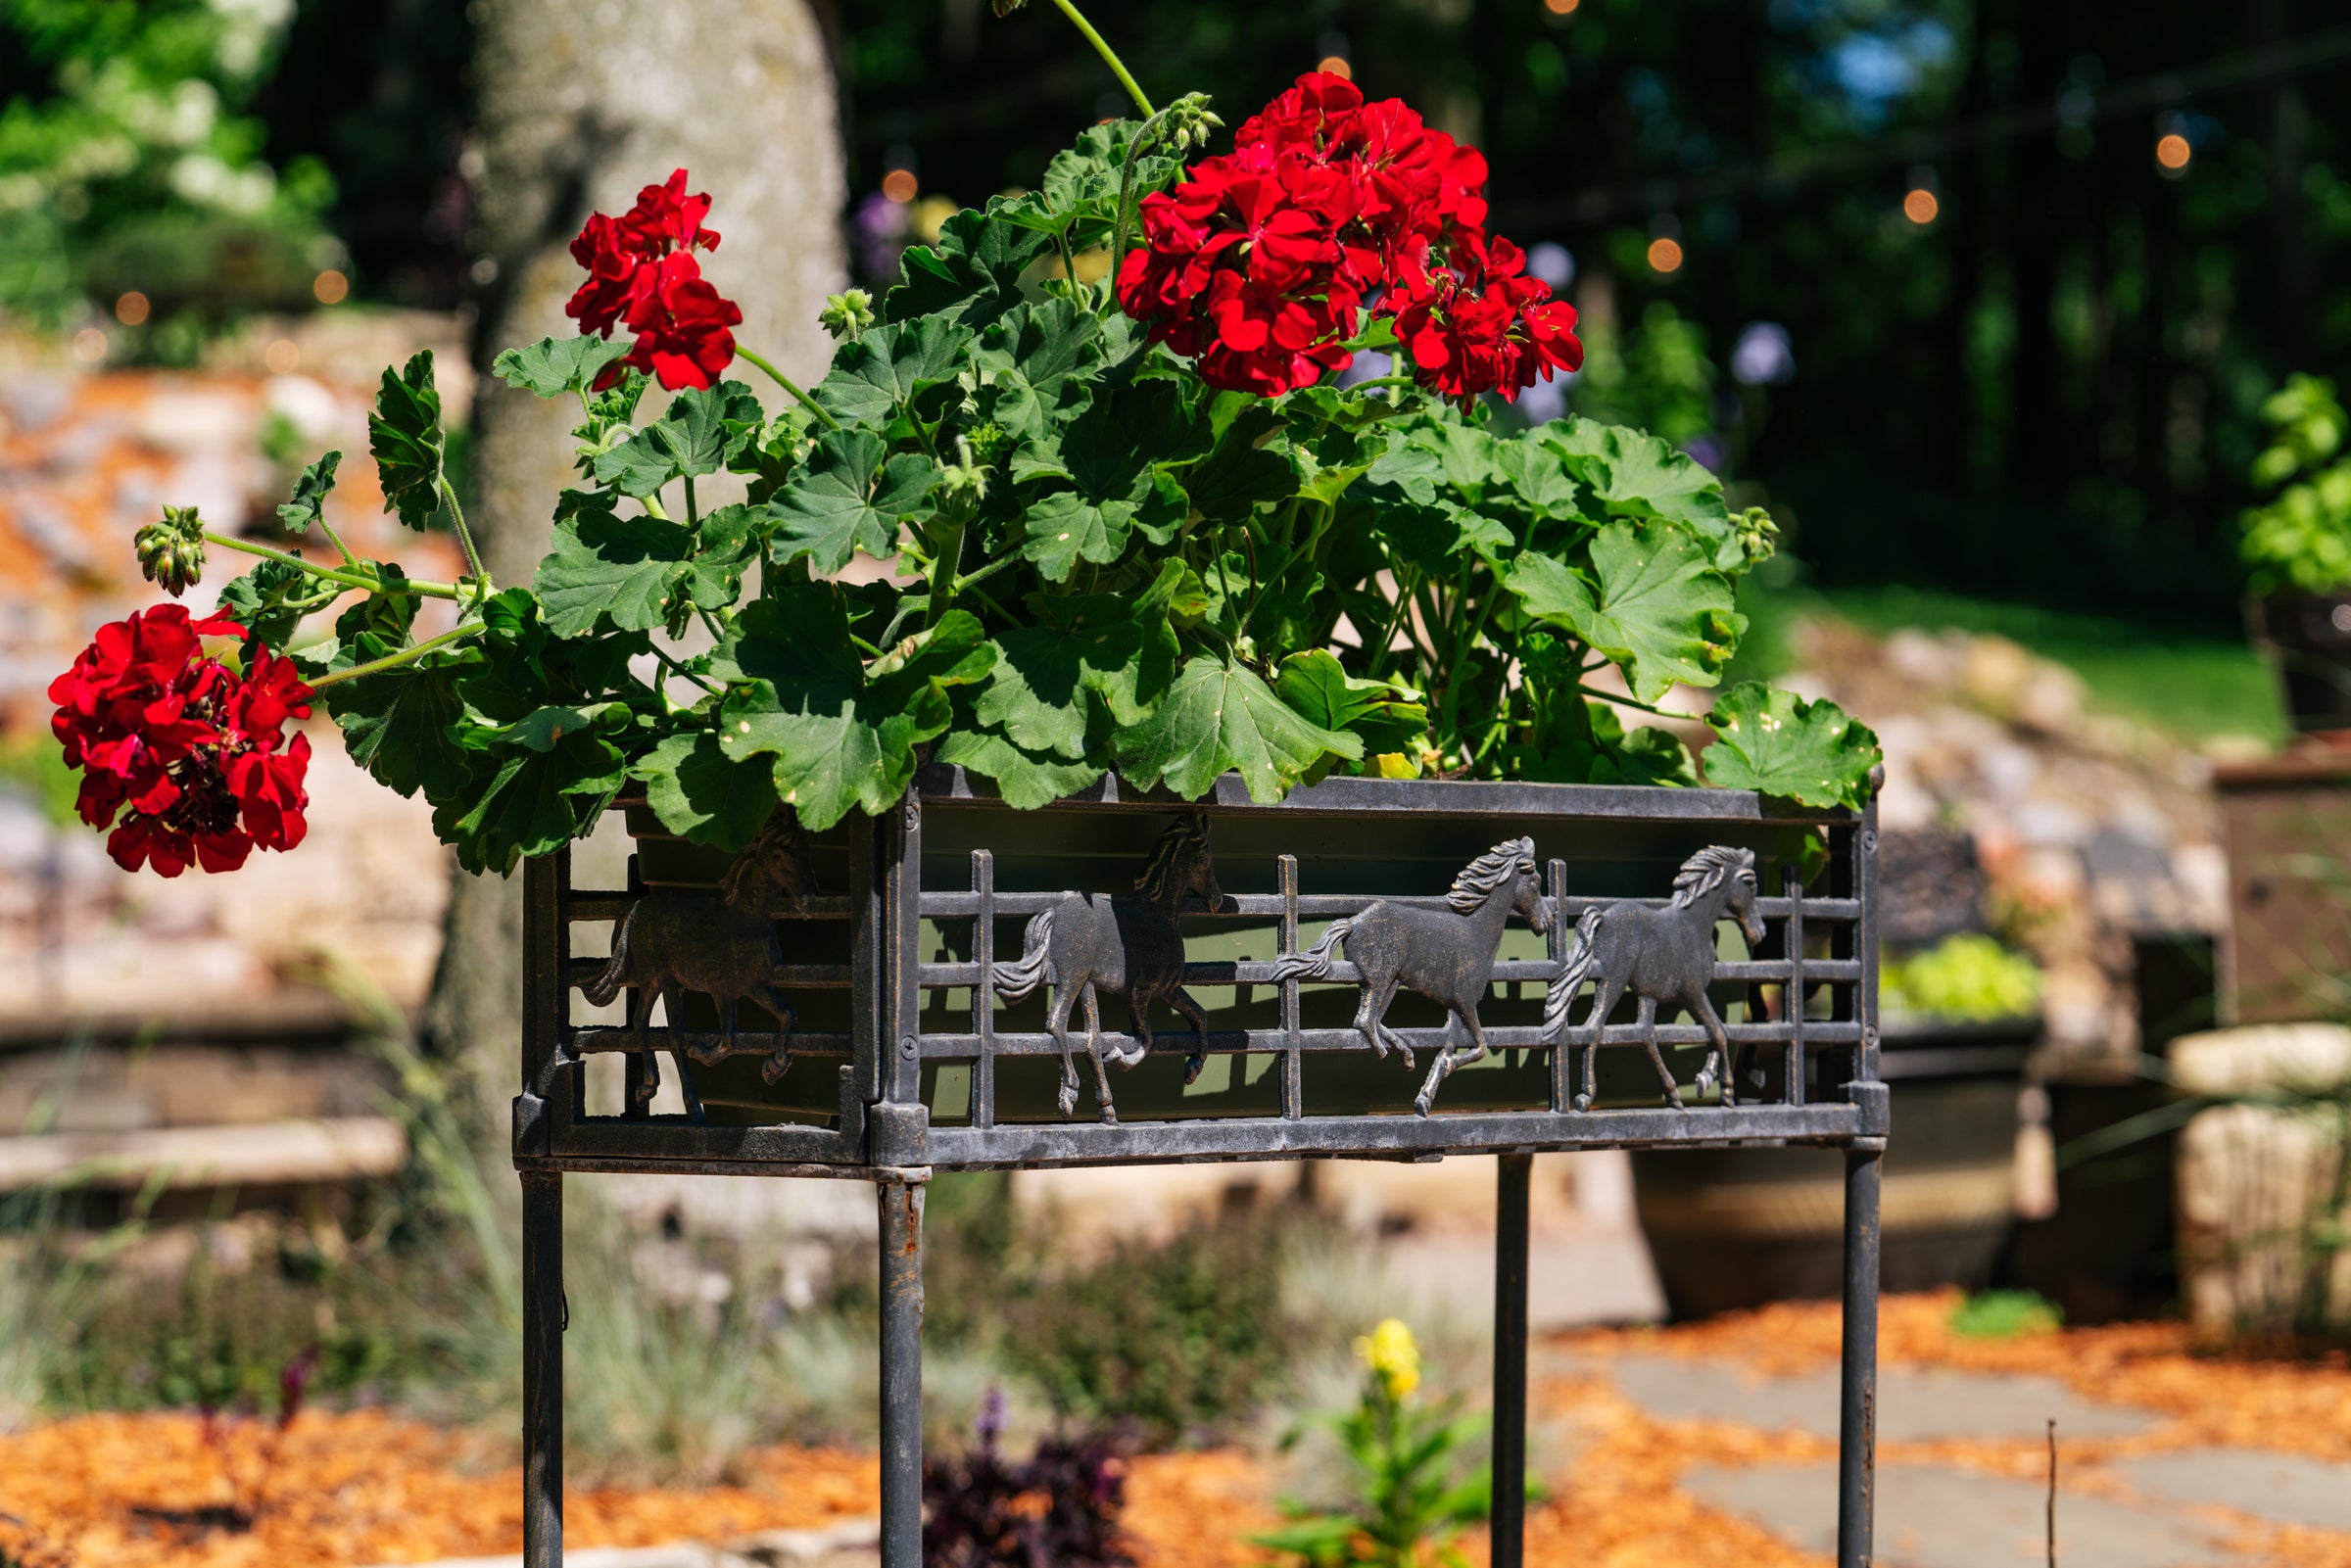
[[2192, 684]]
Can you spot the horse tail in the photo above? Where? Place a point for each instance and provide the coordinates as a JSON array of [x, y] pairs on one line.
[[1315, 964], [1017, 978], [606, 987], [1572, 973]]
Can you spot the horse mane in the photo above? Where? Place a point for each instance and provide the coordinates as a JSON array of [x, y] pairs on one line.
[[1704, 871], [1188, 832], [1481, 877], [777, 849]]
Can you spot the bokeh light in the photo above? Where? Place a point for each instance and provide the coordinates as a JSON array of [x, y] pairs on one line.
[[899, 185], [1561, 8], [132, 309], [1665, 254], [89, 345], [2172, 150], [282, 357], [1337, 66], [330, 287], [1920, 206]]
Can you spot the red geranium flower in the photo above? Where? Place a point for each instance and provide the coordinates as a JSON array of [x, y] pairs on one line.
[[191, 756], [680, 324], [642, 271], [1482, 326], [1258, 265]]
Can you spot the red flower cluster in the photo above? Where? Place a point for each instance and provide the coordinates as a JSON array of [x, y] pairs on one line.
[[1257, 265], [193, 756], [641, 272]]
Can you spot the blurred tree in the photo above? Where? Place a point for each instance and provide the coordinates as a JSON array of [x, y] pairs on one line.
[[579, 107]]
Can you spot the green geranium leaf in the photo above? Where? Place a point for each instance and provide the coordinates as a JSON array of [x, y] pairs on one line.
[[1600, 750], [1775, 742], [271, 600], [698, 791], [849, 497], [544, 728], [1027, 779], [1035, 358], [842, 737], [1539, 475], [1386, 717], [1634, 474], [705, 429], [311, 491], [1079, 193], [1037, 691], [1241, 471], [1066, 526], [534, 804], [403, 436], [1655, 606], [1432, 538], [732, 537], [399, 725], [971, 275], [881, 371], [608, 570], [1218, 718], [379, 624], [553, 366]]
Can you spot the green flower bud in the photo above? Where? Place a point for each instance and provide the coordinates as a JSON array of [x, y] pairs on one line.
[[171, 553], [987, 442], [1758, 534], [1005, 8], [846, 315], [1187, 122]]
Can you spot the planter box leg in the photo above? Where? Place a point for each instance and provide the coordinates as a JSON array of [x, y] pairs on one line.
[[1510, 1197], [901, 1202], [542, 1324], [1858, 1431]]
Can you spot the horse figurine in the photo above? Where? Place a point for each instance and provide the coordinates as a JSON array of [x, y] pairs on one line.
[[1092, 944], [1660, 955], [672, 941], [1447, 955]]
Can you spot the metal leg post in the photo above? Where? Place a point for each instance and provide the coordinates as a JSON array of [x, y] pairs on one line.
[[1511, 1195], [901, 1203], [542, 1369], [1857, 1432]]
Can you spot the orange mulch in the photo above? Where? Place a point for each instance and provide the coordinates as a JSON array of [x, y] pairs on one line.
[[128, 1491], [368, 1486]]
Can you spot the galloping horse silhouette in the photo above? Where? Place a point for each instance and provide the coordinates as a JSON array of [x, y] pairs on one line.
[[1089, 944], [672, 941], [1447, 955], [1660, 955]]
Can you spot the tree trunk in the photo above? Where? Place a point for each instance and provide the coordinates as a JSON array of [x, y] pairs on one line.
[[580, 106]]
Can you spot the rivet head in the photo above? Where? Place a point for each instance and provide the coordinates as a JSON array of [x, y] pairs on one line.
[[907, 1048], [1869, 843]]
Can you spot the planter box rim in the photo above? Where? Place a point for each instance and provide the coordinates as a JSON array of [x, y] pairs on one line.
[[1349, 793]]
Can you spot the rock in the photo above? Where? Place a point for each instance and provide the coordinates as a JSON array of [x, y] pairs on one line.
[[1993, 674], [2259, 1220], [2305, 1058]]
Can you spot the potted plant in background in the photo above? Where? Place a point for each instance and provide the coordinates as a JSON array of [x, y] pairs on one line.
[[2298, 543], [1254, 502]]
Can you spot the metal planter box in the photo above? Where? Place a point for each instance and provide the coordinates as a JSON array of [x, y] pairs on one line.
[[907, 1055]]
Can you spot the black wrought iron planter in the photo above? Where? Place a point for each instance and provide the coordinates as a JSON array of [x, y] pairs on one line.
[[940, 972]]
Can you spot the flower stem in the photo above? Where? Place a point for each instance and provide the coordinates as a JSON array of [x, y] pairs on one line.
[[325, 573], [1108, 56], [1631, 701], [677, 669], [986, 572], [789, 385], [456, 517], [393, 661]]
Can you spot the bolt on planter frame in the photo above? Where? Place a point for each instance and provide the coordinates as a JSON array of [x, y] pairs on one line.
[[906, 1060]]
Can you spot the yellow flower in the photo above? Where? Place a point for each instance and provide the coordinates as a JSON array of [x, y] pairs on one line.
[[1389, 1351]]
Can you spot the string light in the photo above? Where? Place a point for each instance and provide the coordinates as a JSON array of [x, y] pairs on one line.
[[899, 185], [1920, 206], [1336, 65], [1665, 254], [2172, 150]]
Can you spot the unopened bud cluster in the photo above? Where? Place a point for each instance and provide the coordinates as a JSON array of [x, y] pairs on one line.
[[171, 553], [847, 314], [1187, 122]]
